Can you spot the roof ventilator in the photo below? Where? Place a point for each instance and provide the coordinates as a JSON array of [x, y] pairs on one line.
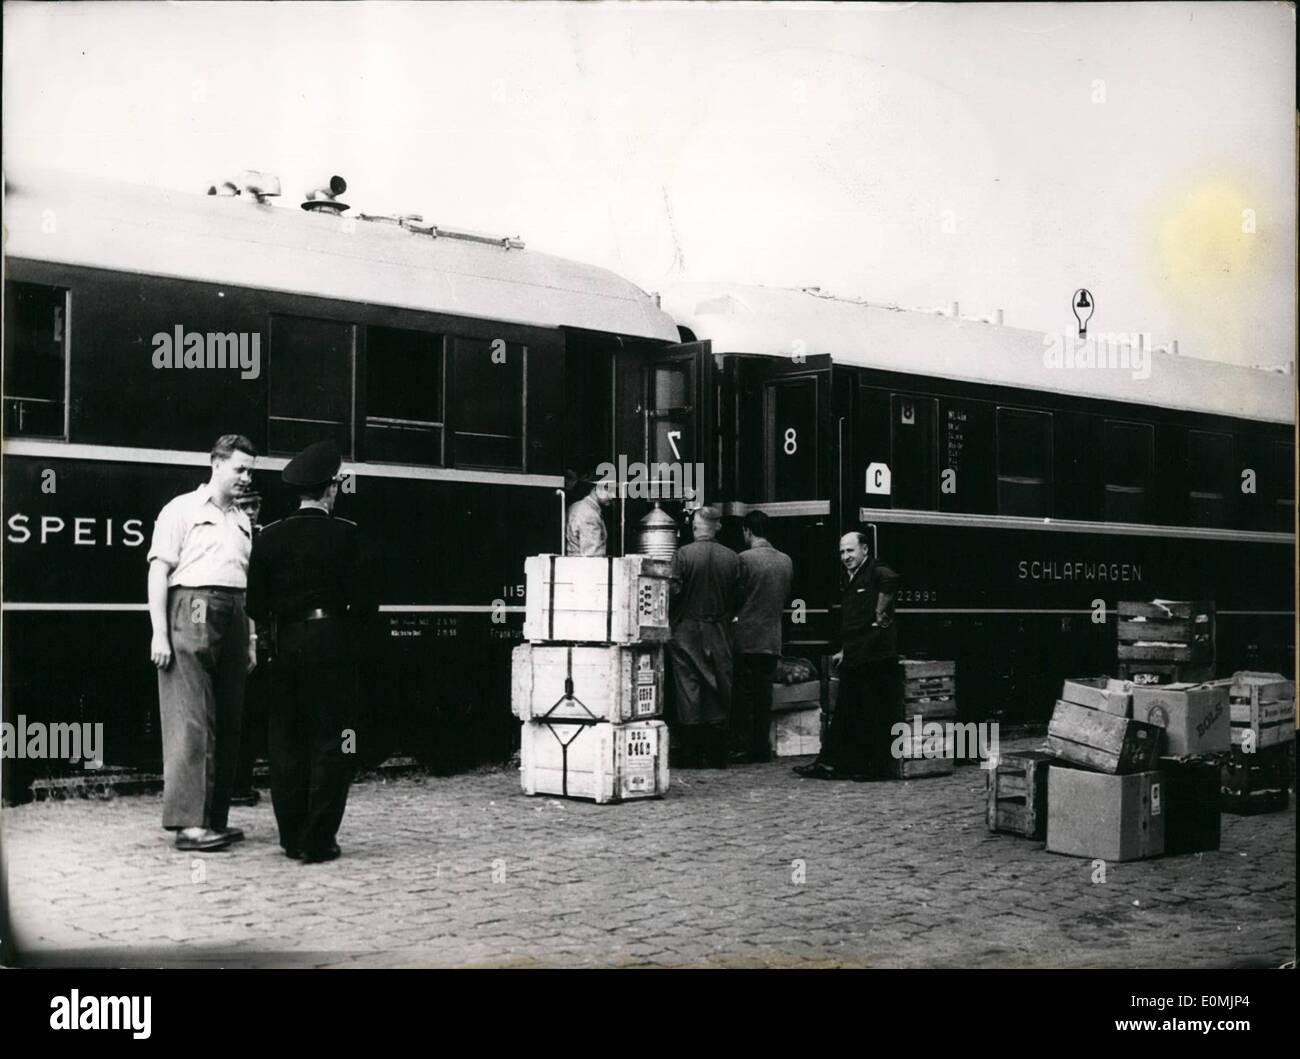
[[325, 199], [249, 183]]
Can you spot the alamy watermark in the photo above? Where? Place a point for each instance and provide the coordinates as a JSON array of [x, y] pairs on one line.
[[82, 742], [1105, 351], [655, 481], [209, 349], [929, 740]]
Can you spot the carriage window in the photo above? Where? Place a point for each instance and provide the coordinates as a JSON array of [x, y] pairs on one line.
[[790, 446], [1284, 485], [35, 356], [912, 452], [1209, 478], [669, 416], [404, 396], [311, 383], [1024, 463], [1127, 455], [487, 403]]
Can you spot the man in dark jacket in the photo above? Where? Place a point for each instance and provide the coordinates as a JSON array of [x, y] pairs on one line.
[[766, 574], [857, 742], [705, 594], [306, 572]]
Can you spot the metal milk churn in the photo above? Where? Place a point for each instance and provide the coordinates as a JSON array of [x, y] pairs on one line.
[[657, 536]]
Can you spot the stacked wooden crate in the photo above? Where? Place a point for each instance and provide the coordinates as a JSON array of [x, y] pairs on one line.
[[929, 693], [588, 687], [799, 709], [1257, 778], [1141, 766], [1104, 795], [1166, 641]]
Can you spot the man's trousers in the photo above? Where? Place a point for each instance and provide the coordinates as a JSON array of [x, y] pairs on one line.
[[200, 698], [751, 718], [312, 737], [866, 708]]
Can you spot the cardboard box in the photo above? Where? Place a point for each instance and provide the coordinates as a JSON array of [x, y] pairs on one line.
[[1115, 818], [1195, 717], [602, 762], [618, 683], [1100, 693], [572, 599], [797, 732], [1099, 740], [1191, 801]]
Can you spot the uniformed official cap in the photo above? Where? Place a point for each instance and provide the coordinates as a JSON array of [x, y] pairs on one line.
[[314, 467]]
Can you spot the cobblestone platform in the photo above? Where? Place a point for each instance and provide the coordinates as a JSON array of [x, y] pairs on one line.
[[752, 866]]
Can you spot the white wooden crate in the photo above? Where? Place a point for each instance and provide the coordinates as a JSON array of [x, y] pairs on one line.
[[601, 762], [796, 732], [618, 683], [591, 600]]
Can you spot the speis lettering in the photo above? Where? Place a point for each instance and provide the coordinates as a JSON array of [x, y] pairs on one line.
[[47, 529]]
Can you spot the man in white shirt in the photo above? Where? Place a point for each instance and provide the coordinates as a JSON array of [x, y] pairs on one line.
[[202, 644]]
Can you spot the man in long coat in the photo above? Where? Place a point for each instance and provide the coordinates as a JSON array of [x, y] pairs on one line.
[[705, 596]]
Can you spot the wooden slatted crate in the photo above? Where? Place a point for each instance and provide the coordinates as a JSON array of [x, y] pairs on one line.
[[1258, 782], [929, 690], [1017, 794], [617, 683], [1102, 741], [1263, 710], [914, 764], [574, 599], [1165, 633]]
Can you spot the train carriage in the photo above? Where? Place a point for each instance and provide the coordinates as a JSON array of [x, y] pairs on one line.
[[1013, 492], [462, 375]]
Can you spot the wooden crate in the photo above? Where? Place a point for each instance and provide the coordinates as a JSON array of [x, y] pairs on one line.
[[929, 690], [916, 669], [796, 732], [1102, 741], [618, 683], [1100, 693], [1166, 632], [1263, 709], [601, 762], [1258, 782], [914, 764], [1017, 794], [589, 600]]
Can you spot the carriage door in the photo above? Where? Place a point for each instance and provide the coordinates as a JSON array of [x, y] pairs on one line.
[[676, 450]]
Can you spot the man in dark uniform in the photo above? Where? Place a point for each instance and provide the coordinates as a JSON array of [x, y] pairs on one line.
[[252, 734], [705, 596], [305, 571], [858, 741]]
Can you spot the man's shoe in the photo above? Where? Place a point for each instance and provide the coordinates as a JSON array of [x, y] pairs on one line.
[[293, 853], [809, 769], [249, 798], [319, 856], [201, 840], [233, 834]]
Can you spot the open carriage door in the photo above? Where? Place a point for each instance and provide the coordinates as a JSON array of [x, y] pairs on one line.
[[672, 434]]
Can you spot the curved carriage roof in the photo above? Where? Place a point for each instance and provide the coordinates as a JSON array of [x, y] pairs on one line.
[[778, 322], [215, 239]]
